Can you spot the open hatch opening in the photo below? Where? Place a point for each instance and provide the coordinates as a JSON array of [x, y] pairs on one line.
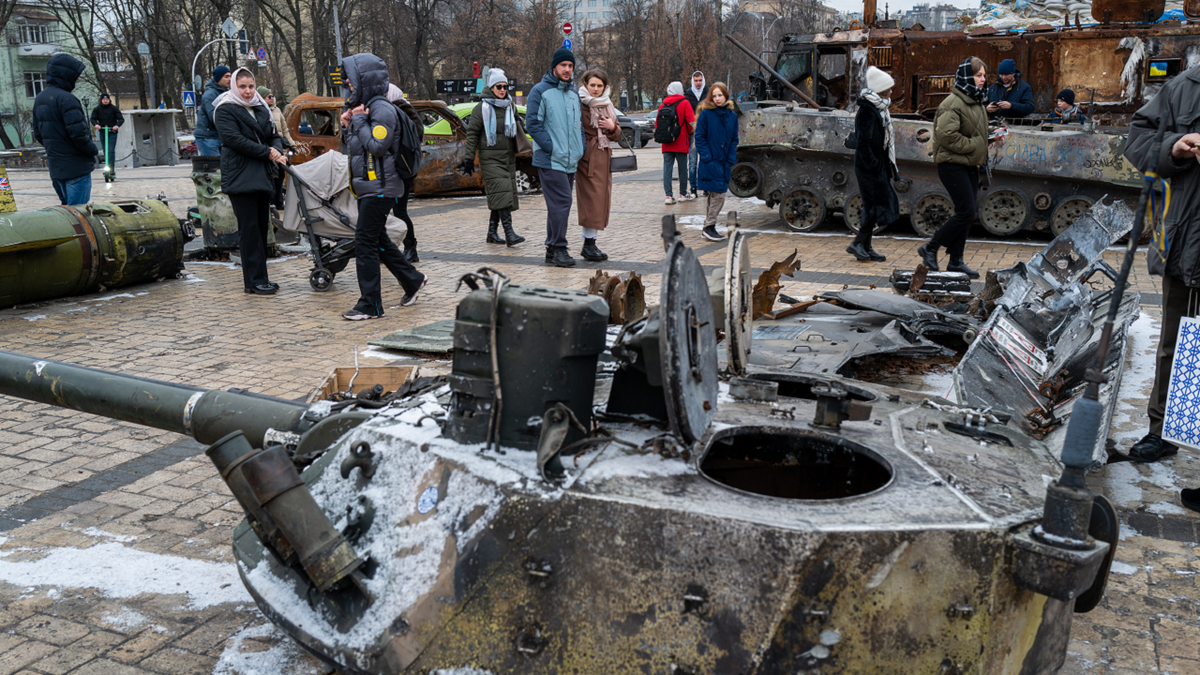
[[793, 464]]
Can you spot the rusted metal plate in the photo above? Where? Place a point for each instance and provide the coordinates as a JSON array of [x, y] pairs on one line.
[[1130, 11], [1085, 65]]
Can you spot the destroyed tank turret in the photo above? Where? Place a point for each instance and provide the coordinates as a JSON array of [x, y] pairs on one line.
[[780, 523]]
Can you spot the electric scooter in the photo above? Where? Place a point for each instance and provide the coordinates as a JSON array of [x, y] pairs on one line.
[[110, 172]]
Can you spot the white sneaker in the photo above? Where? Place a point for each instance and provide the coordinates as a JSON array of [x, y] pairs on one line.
[[687, 197], [670, 201]]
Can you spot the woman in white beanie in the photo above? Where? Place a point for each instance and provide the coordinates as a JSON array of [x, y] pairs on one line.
[[874, 163], [495, 132]]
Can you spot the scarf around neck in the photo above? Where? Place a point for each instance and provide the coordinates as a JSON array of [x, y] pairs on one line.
[[489, 118], [882, 105], [964, 81], [600, 106]]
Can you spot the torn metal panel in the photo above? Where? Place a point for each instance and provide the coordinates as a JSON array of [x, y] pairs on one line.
[[433, 338], [1030, 356]]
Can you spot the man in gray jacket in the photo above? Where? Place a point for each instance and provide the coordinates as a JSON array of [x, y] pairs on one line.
[[372, 136], [1177, 159]]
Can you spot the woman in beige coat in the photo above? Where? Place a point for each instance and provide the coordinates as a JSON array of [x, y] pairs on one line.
[[593, 180]]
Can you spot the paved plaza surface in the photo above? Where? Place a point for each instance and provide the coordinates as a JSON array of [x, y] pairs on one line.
[[115, 553]]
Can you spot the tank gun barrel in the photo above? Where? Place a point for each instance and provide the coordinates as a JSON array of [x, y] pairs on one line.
[[206, 415], [795, 90]]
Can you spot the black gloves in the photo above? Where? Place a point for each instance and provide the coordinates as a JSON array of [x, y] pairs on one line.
[[467, 167]]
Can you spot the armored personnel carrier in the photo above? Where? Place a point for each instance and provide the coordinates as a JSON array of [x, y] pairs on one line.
[[1044, 176]]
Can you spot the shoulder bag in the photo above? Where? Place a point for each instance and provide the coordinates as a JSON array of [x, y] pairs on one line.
[[623, 163]]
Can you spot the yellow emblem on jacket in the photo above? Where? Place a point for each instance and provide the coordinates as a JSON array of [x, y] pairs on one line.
[[379, 132]]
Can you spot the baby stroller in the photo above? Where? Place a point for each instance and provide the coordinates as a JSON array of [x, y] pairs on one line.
[[320, 206]]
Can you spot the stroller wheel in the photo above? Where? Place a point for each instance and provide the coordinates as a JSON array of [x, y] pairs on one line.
[[320, 280]]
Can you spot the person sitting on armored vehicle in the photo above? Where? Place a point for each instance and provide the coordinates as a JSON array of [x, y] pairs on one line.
[[1009, 96], [1065, 111]]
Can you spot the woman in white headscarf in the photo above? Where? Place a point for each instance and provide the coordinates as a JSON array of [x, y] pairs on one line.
[[494, 131], [251, 153], [593, 180]]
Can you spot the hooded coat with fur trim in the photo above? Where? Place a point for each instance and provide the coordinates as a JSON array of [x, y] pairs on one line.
[[716, 143], [60, 124]]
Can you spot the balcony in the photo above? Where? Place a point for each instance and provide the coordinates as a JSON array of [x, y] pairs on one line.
[[37, 49]]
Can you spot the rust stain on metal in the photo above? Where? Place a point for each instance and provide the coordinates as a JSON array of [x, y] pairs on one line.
[[767, 288]]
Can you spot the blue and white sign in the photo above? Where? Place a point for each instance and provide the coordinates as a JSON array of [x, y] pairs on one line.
[[567, 43], [189, 99], [427, 500]]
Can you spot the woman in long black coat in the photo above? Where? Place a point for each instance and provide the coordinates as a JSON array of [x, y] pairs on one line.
[[874, 163], [250, 150]]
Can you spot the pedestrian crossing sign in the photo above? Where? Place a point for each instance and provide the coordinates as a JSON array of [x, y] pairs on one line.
[[189, 99]]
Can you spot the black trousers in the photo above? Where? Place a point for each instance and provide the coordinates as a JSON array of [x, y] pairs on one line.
[[962, 182], [250, 208], [372, 246], [1178, 301], [400, 210], [277, 198]]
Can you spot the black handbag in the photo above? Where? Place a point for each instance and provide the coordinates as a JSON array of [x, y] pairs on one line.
[[623, 163]]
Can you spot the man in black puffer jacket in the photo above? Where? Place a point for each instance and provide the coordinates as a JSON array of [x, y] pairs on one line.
[[371, 132], [61, 126]]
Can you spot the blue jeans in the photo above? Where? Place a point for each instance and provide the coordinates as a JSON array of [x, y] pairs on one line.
[[681, 159], [74, 191], [693, 162], [208, 147]]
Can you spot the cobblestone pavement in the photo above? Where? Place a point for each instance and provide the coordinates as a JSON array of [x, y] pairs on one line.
[[84, 500]]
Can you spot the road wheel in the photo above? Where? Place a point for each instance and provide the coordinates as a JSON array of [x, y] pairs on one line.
[[931, 212], [527, 183], [1004, 212], [627, 138], [745, 179], [853, 215], [802, 210], [1070, 210]]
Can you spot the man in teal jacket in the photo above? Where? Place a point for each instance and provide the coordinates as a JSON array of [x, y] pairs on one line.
[[553, 119]]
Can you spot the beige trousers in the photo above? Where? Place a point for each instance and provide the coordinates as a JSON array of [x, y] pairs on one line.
[[716, 200]]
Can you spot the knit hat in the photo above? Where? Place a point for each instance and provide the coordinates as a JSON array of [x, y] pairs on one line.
[[1067, 95], [497, 76], [264, 92], [219, 72], [1008, 67], [105, 96], [562, 54], [879, 81]]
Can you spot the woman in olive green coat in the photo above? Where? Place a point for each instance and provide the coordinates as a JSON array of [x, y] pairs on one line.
[[494, 131], [960, 140]]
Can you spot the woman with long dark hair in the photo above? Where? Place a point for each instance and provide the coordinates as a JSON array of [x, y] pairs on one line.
[[960, 142], [250, 150]]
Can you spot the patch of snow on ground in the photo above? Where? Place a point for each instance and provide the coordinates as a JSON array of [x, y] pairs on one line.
[[1167, 509], [35, 317], [381, 353], [124, 620], [285, 658], [1121, 481], [1119, 567], [462, 671], [121, 572], [110, 297], [1129, 419], [101, 534]]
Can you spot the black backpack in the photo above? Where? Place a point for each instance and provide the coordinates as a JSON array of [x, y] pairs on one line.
[[406, 156], [667, 127]]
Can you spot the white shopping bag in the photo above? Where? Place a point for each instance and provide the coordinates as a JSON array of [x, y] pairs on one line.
[[1181, 422]]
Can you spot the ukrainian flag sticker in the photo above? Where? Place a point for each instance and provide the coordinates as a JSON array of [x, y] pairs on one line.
[[379, 132]]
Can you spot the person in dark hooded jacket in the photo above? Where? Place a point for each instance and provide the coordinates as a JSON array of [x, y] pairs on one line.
[[108, 117], [372, 126], [1009, 96], [60, 125], [874, 163], [250, 151], [208, 141]]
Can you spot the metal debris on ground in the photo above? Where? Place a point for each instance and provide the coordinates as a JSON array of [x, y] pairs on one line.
[[767, 288], [626, 297]]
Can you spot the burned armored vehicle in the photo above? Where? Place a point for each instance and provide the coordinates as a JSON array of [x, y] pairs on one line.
[[530, 516], [792, 155]]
